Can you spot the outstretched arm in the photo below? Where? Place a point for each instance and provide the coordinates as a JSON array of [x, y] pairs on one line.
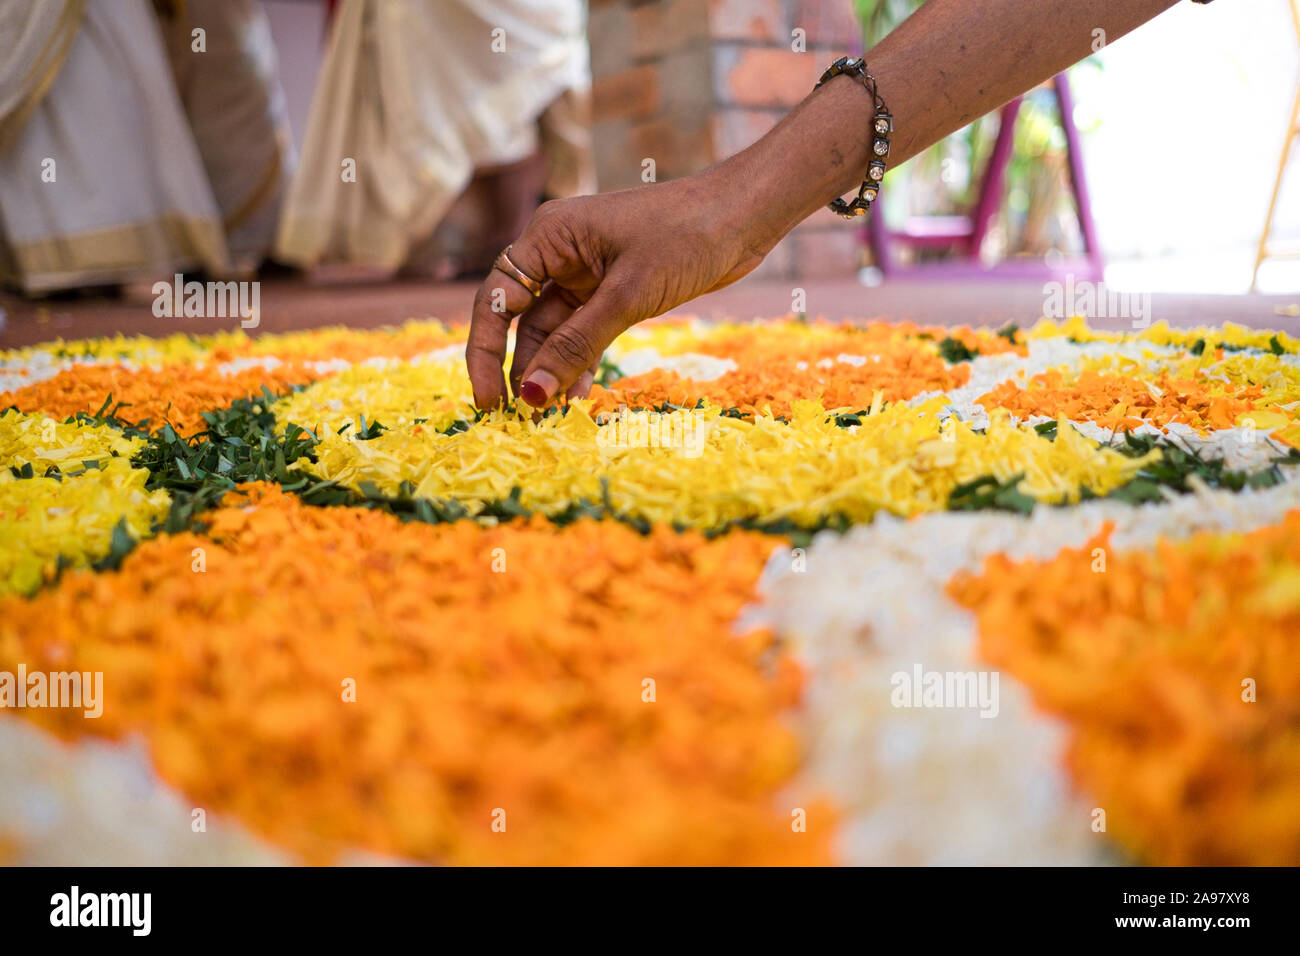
[[606, 262]]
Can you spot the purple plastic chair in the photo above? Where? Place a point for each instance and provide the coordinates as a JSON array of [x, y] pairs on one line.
[[965, 235]]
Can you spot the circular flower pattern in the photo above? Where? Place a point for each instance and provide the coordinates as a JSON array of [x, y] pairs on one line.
[[782, 592]]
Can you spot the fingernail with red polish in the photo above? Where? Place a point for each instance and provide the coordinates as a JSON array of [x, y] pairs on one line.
[[537, 390]]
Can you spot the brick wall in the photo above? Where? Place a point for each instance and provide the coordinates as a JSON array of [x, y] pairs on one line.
[[689, 82]]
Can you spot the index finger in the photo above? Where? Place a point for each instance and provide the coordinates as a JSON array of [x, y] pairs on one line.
[[499, 299]]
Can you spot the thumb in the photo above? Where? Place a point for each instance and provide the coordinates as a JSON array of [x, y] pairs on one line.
[[576, 345]]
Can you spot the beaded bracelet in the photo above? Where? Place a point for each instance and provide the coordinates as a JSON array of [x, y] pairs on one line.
[[882, 125]]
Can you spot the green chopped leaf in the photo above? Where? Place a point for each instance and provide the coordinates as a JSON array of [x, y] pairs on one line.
[[953, 351]]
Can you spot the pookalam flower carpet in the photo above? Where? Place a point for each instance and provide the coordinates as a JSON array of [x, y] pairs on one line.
[[781, 592]]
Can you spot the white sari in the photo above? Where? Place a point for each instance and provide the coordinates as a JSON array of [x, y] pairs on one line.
[[413, 97], [103, 176]]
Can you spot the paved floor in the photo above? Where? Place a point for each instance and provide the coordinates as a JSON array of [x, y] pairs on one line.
[[299, 304]]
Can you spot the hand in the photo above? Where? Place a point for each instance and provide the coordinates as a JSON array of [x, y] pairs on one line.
[[609, 261], [606, 262]]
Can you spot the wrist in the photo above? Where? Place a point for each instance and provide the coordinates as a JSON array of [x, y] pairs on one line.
[[818, 152]]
